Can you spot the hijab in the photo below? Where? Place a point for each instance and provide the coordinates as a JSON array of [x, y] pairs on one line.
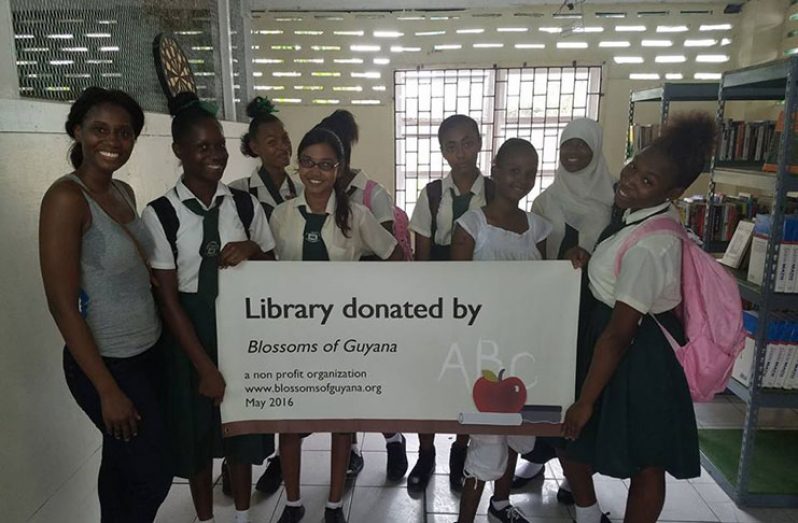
[[581, 199]]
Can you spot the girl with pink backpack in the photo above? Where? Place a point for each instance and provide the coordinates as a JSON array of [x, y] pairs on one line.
[[634, 414]]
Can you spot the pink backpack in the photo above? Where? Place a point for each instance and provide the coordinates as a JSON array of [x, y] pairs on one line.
[[711, 312], [401, 224]]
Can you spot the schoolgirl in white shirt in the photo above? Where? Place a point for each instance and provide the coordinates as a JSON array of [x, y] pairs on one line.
[[500, 231], [267, 140], [323, 225], [198, 227], [440, 204], [634, 415], [578, 204], [379, 202]]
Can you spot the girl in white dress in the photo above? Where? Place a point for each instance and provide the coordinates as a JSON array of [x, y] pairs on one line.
[[500, 231]]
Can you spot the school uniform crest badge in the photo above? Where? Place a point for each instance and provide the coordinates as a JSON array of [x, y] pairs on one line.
[[210, 249]]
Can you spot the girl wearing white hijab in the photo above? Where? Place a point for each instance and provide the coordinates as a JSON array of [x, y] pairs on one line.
[[578, 204], [579, 201]]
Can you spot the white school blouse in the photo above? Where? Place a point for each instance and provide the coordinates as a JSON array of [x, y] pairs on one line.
[[189, 233], [381, 201], [651, 270], [421, 222], [366, 235], [494, 243], [261, 192]]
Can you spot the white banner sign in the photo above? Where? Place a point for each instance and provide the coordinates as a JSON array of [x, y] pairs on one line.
[[377, 346]]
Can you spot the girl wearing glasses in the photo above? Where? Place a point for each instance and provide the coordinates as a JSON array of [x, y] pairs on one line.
[[321, 224]]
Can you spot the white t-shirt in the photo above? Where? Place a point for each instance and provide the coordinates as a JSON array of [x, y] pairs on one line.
[[381, 201], [254, 181], [189, 233], [651, 270], [494, 243], [366, 235], [421, 222]]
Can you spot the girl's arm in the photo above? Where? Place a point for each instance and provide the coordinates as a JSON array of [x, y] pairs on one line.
[[578, 256], [462, 245], [610, 348], [423, 247], [64, 214], [211, 383], [260, 246]]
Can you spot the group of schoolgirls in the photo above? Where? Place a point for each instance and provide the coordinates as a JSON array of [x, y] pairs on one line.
[[633, 417]]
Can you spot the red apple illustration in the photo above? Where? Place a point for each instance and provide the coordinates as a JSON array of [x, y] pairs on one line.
[[496, 394]]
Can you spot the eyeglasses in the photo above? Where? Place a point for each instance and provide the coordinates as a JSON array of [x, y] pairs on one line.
[[325, 165]]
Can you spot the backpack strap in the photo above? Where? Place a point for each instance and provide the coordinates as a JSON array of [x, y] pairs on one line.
[[654, 225], [434, 195], [167, 215], [490, 190], [367, 192], [252, 190], [244, 207]]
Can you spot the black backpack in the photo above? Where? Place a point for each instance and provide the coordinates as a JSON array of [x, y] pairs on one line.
[[435, 193], [168, 216]]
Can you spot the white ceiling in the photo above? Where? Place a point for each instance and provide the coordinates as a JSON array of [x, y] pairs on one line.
[[392, 5]]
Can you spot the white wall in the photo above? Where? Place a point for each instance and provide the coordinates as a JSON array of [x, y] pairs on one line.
[[45, 437]]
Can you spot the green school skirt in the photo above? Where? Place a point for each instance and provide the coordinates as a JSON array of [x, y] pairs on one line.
[[194, 423], [644, 417]]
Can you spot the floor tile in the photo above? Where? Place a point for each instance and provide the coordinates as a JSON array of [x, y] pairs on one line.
[[261, 507], [314, 499], [441, 499], [386, 505], [315, 468], [178, 506], [727, 512], [703, 478], [76, 501], [683, 503]]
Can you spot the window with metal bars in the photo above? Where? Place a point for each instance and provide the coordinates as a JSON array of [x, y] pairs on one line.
[[534, 103]]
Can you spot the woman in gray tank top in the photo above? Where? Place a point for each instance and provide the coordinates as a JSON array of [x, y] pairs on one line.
[[93, 248]]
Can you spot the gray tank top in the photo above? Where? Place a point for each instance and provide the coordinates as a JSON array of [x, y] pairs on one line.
[[115, 298]]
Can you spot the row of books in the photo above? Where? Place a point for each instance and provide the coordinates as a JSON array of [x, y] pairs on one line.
[[781, 352], [745, 141], [787, 264], [772, 157], [724, 214]]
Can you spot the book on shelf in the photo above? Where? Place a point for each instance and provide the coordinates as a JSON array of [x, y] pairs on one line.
[[780, 370], [772, 155], [787, 261], [741, 141], [738, 246]]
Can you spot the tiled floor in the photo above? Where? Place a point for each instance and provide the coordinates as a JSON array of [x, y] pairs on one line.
[[370, 498]]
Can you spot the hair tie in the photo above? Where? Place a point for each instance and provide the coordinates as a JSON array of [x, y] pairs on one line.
[[264, 105]]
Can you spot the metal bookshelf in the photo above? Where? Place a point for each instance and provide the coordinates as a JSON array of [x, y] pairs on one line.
[[770, 81], [665, 94]]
